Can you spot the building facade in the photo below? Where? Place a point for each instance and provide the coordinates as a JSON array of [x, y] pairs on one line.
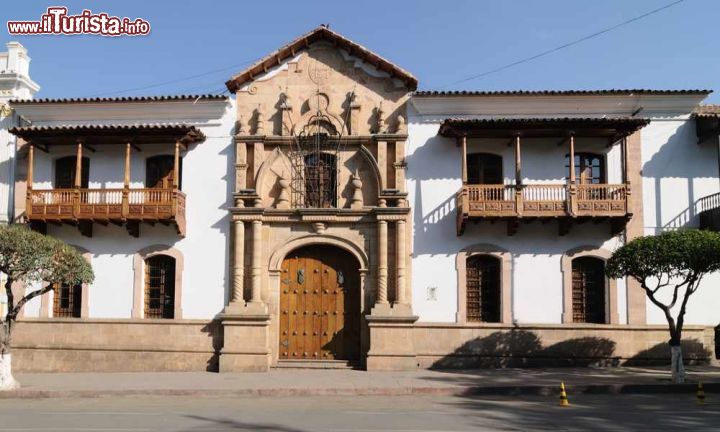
[[15, 83], [327, 212]]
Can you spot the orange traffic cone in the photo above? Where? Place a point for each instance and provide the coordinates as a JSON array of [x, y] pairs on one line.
[[563, 396], [700, 393]]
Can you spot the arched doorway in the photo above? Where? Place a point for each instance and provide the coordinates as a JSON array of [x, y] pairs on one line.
[[319, 305], [588, 290]]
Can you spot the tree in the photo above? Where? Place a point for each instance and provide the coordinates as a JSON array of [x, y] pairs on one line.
[[669, 267], [29, 257]]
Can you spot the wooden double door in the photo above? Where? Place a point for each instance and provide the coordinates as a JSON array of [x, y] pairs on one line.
[[319, 305]]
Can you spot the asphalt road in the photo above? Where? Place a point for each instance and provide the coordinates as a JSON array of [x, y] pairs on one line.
[[360, 413]]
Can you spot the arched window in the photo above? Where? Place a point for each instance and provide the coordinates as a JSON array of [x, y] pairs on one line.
[[483, 288], [484, 168], [67, 301], [160, 287], [588, 290], [589, 168], [160, 170], [320, 180], [65, 169]]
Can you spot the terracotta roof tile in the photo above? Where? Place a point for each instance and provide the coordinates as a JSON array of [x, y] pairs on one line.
[[161, 98], [707, 111], [431, 93]]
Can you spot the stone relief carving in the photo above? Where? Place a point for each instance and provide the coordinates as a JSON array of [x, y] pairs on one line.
[[349, 88]]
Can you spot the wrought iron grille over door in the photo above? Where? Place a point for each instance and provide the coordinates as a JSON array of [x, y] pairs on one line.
[[320, 180], [483, 289], [314, 160], [588, 290], [160, 287]]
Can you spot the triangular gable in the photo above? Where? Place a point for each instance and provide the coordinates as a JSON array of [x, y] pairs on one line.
[[301, 43]]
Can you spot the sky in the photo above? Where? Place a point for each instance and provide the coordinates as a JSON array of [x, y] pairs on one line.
[[195, 46]]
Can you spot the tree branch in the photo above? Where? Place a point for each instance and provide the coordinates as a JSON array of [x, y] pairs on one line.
[[27, 298], [681, 314], [688, 280], [10, 297], [663, 307]]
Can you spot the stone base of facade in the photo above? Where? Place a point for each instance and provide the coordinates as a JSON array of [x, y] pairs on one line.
[[245, 334], [391, 340], [396, 343], [448, 346], [116, 345]]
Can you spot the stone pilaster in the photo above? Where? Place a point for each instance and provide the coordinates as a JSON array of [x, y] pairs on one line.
[[391, 326], [636, 299]]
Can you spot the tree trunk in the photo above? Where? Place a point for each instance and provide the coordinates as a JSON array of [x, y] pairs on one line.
[[676, 364], [7, 382]]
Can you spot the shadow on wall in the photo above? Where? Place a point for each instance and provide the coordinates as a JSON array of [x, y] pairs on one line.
[[214, 330], [700, 163], [694, 353], [522, 348]]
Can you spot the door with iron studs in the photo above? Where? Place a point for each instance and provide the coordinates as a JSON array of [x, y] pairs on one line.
[[319, 305]]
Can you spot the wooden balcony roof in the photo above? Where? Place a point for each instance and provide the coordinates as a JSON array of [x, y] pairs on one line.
[[542, 127], [121, 99], [606, 92], [110, 134]]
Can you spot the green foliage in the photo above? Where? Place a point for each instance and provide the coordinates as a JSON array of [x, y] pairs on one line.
[[29, 256], [683, 254]]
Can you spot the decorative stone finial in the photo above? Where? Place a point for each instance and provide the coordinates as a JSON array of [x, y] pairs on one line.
[[283, 200], [380, 119], [260, 127], [239, 128], [357, 199], [400, 124]]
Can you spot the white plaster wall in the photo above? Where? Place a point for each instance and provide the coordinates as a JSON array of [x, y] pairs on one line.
[[677, 172], [434, 178], [205, 249]]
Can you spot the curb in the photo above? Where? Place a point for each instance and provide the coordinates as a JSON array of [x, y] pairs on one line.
[[529, 390]]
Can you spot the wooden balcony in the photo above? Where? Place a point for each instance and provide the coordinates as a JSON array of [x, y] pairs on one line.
[[709, 212], [566, 203], [128, 207]]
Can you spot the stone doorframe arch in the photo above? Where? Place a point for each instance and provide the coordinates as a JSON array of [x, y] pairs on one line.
[[139, 282], [277, 257], [611, 307], [46, 301], [505, 279]]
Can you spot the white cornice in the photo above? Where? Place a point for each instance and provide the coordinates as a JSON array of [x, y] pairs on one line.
[[556, 106], [165, 111]]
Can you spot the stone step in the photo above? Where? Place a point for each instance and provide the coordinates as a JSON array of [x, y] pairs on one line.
[[314, 364]]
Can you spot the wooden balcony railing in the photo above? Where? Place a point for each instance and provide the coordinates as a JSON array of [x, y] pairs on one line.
[[708, 209], [102, 205], [541, 200]]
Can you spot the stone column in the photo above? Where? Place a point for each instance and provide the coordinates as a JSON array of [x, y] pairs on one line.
[[382, 297], [255, 270], [238, 279], [400, 297], [246, 325]]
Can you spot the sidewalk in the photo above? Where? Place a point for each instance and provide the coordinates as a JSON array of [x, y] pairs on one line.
[[298, 382]]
